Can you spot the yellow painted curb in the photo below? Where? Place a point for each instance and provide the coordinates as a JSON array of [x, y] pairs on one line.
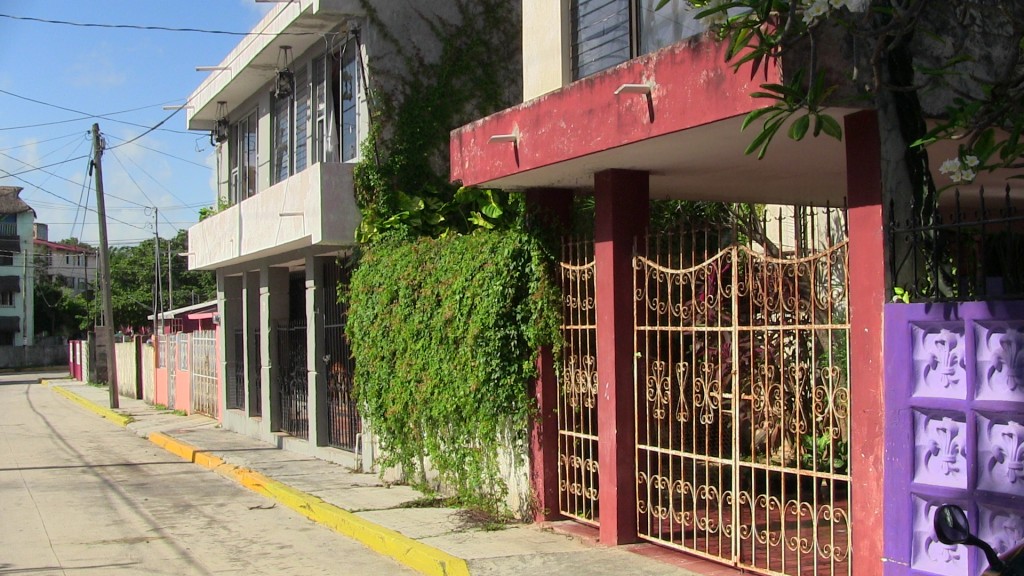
[[414, 554], [116, 418]]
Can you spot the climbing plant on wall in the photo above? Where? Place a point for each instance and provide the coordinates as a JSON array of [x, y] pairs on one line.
[[445, 333], [402, 181]]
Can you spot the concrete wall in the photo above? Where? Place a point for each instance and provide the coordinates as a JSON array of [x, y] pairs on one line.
[[546, 39], [32, 356]]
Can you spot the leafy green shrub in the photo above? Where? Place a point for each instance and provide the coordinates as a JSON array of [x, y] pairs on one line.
[[445, 334]]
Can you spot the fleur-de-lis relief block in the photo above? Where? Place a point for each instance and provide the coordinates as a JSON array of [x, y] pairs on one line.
[[928, 554], [946, 445], [1007, 349], [940, 367], [1003, 529], [1009, 450], [940, 450]]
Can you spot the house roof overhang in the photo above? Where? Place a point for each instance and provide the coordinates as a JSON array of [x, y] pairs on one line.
[[254, 61], [676, 113]]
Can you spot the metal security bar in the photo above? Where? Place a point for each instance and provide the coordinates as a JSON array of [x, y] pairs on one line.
[[577, 386], [343, 422], [256, 385], [966, 249], [293, 380], [742, 392], [204, 372], [236, 387]]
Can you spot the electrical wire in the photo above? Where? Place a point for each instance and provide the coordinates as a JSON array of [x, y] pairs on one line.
[[37, 142], [169, 155], [87, 115], [141, 191], [155, 28], [55, 195], [150, 176], [40, 168]]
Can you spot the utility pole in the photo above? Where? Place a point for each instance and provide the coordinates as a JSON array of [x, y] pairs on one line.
[[108, 305], [170, 288], [157, 299]]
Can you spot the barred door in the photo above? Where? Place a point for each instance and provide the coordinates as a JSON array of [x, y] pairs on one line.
[[577, 387], [742, 398], [172, 367], [204, 372], [293, 380], [343, 422]]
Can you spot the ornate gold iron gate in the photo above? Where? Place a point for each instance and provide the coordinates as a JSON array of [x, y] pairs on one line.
[[577, 386], [742, 395]]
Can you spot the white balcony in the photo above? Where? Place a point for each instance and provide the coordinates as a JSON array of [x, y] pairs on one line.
[[314, 208]]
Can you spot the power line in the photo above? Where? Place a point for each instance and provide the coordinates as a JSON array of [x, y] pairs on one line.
[[156, 28], [150, 176], [164, 153], [55, 195], [39, 168], [42, 169], [37, 142], [87, 115]]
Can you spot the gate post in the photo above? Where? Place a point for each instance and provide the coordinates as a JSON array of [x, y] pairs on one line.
[[621, 213], [867, 294], [274, 315], [316, 294], [553, 207]]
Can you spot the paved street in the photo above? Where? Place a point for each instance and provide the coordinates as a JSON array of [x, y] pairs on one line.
[[80, 496]]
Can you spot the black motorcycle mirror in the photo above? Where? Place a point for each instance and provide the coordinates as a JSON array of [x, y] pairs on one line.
[[951, 527]]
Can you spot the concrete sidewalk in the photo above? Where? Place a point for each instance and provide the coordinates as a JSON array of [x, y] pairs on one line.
[[388, 519]]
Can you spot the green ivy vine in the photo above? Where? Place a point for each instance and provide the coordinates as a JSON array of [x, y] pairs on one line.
[[445, 333], [402, 183]]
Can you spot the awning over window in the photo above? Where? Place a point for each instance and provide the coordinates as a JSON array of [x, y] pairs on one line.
[[10, 324], [10, 284], [8, 245]]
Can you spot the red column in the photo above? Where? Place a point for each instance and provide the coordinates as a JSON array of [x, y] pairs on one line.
[[554, 209], [867, 288], [621, 213]]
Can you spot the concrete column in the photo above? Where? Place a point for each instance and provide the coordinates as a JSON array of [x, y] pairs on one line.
[[252, 353], [867, 294], [553, 207], [622, 210], [274, 312], [229, 307], [316, 292]]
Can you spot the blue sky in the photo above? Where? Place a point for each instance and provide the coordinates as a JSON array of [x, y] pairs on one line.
[[103, 71]]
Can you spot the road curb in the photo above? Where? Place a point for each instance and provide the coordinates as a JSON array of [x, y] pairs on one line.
[[412, 553], [122, 420]]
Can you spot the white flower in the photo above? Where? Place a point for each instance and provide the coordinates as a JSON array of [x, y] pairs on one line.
[[836, 3], [967, 175], [856, 5], [950, 166], [971, 161], [815, 10]]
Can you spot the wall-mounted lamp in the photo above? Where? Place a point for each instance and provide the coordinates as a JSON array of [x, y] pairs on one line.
[[633, 89], [284, 84], [219, 133]]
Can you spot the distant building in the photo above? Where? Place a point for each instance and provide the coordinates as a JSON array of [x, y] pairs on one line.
[[17, 281], [70, 265]]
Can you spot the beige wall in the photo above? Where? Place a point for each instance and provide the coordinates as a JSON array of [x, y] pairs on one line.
[[546, 42]]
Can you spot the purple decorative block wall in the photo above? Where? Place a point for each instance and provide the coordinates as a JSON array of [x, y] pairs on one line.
[[955, 399]]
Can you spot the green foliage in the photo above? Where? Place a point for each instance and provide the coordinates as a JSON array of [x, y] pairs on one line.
[[445, 334], [132, 278], [402, 182], [824, 453], [58, 311]]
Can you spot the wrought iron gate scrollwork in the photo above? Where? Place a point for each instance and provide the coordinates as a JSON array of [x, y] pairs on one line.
[[742, 397], [578, 469]]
